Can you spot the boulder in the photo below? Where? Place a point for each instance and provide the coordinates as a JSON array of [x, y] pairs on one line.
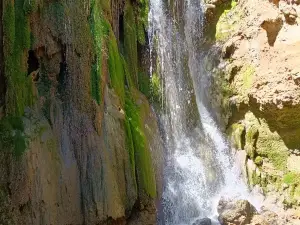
[[235, 212], [204, 221]]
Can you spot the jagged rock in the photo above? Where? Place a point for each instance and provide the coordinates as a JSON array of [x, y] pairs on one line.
[[235, 212], [204, 221], [269, 217]]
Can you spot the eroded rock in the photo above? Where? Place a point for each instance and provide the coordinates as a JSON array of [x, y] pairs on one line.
[[272, 27], [235, 212]]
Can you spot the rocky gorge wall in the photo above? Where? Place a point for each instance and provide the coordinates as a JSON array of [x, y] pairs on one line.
[[79, 142], [253, 55]]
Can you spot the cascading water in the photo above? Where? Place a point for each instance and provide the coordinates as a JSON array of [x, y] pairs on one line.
[[199, 166]]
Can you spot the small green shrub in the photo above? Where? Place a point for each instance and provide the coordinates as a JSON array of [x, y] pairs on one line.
[[291, 178], [258, 160]]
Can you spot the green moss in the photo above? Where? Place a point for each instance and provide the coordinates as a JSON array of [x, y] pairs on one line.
[[16, 44], [278, 158], [30, 6], [95, 82], [251, 138], [156, 90], [145, 84], [141, 153], [247, 76], [227, 22], [142, 20], [256, 179], [96, 31], [116, 69], [100, 29], [291, 178], [258, 160], [243, 82], [268, 144], [237, 132], [130, 42], [129, 138], [12, 137]]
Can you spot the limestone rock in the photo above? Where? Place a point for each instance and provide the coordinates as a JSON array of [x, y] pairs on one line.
[[251, 172], [293, 163], [259, 220], [235, 212]]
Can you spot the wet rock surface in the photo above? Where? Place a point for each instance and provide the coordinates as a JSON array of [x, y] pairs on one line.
[[235, 212], [203, 221]]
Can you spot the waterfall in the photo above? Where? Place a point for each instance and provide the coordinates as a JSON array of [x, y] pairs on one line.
[[199, 165]]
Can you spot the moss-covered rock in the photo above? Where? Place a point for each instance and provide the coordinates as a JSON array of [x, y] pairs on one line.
[[237, 134], [258, 160], [228, 22], [251, 139], [90, 124], [17, 41]]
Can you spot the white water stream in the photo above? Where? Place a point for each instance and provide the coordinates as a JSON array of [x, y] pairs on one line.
[[199, 166]]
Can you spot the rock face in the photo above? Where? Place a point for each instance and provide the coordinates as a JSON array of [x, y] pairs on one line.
[[78, 136], [255, 54]]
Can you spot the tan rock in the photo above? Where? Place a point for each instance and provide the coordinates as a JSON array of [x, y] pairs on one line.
[[293, 163], [259, 220], [235, 212]]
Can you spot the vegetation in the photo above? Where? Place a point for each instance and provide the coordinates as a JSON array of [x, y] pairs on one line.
[[291, 178], [12, 137], [142, 20], [227, 22], [237, 132], [100, 30], [258, 160], [141, 151], [130, 42], [30, 6], [116, 69], [16, 44]]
